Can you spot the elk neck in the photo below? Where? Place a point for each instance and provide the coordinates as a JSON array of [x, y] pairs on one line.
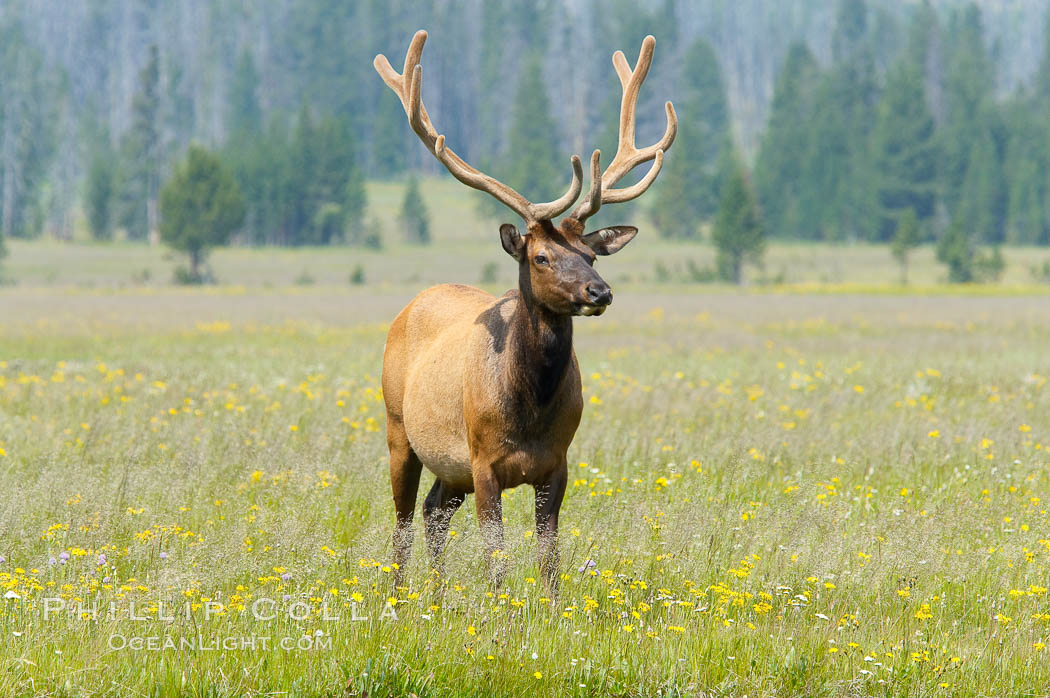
[[540, 343]]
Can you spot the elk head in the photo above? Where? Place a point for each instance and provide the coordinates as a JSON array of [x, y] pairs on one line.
[[555, 262]]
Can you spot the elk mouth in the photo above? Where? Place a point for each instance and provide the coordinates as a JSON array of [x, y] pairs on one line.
[[588, 309]]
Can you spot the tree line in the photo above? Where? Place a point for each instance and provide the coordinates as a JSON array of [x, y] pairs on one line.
[[902, 110], [922, 149], [850, 150]]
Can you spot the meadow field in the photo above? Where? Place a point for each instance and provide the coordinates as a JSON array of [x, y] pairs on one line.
[[769, 494], [822, 484]]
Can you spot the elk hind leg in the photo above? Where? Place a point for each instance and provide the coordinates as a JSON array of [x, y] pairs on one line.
[[439, 506]]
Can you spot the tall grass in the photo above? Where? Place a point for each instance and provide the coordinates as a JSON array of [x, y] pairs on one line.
[[768, 495]]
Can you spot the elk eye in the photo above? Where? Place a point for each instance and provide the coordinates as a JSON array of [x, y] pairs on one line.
[[541, 260]]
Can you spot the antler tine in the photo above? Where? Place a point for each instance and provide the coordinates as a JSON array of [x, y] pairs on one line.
[[523, 207], [553, 209], [618, 196], [631, 82], [408, 86], [628, 155], [589, 206]]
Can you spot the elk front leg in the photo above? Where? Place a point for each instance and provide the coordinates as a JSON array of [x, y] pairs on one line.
[[490, 519], [405, 468], [548, 503]]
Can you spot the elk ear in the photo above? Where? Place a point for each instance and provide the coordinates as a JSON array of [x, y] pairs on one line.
[[609, 240], [512, 241]]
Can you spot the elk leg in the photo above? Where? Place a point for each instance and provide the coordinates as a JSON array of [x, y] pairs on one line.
[[439, 506], [405, 468], [490, 520], [548, 503]]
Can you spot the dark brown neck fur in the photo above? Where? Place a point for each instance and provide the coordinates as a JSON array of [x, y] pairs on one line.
[[540, 343]]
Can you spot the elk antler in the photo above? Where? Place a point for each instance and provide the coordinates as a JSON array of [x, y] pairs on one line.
[[407, 85], [628, 156]]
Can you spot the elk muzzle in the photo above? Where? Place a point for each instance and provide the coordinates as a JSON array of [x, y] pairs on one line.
[[598, 298]]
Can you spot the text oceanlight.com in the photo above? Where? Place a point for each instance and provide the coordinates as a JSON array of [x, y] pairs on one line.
[[199, 643]]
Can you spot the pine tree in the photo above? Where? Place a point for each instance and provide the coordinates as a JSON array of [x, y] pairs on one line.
[[1027, 170], [445, 74], [355, 197], [201, 205], [258, 165], [140, 155], [905, 238], [969, 79], [956, 251], [414, 218], [323, 193], [1027, 160], [904, 151], [333, 167], [1027, 217], [665, 21], [851, 23], [249, 150], [100, 193], [302, 158], [1042, 75], [825, 167], [179, 110], [886, 37], [989, 266], [921, 31], [274, 185], [673, 210], [27, 132], [392, 136], [786, 146], [304, 189], [533, 162], [491, 78], [390, 143], [837, 183], [983, 201], [245, 118], [848, 113], [690, 188], [738, 234], [623, 24], [326, 43]]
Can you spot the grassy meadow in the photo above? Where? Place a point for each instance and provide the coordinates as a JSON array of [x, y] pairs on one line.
[[830, 487]]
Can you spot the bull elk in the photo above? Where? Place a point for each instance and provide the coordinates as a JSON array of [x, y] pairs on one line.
[[483, 391]]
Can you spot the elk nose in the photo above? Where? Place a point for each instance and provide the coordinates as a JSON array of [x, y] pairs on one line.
[[599, 293]]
